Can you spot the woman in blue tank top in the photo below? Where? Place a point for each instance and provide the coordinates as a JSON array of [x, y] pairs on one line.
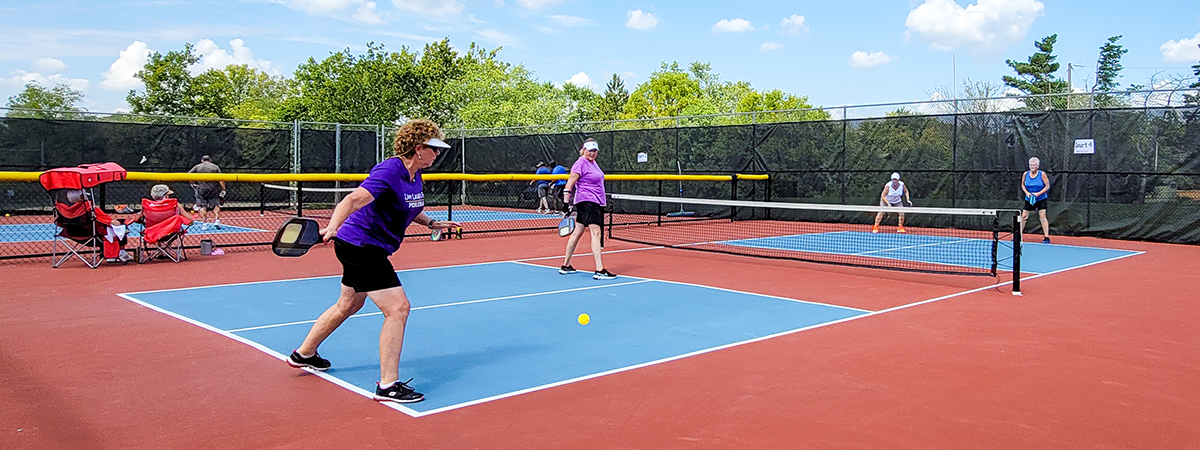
[[1036, 186]]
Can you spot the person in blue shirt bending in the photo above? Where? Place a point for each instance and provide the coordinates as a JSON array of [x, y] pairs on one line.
[[543, 189], [559, 185]]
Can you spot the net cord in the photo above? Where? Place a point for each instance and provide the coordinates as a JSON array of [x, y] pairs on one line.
[[810, 206]]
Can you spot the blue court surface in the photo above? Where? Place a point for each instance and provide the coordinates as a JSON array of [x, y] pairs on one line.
[[962, 252], [36, 232], [474, 215], [488, 331]]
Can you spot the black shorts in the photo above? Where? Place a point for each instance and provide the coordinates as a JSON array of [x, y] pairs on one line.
[[1039, 206], [365, 268], [589, 213]]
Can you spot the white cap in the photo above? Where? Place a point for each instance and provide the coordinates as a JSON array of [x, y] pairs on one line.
[[435, 142], [895, 175], [591, 145]]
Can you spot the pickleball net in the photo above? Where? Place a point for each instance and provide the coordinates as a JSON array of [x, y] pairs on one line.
[[937, 240]]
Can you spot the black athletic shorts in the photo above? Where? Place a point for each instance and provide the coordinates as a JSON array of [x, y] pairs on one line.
[[365, 268], [1039, 206], [589, 213]]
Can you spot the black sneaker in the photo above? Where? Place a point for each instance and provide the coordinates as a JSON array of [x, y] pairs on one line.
[[603, 274], [314, 362], [1045, 240], [399, 393], [566, 269]]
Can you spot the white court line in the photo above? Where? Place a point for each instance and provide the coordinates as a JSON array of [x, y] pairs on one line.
[[264, 349], [414, 413], [748, 341], [442, 305], [720, 289]]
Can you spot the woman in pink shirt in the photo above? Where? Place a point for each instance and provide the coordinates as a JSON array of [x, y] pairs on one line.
[[586, 186]]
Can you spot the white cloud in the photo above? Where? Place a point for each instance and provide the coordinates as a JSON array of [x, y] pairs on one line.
[[119, 76], [639, 20], [497, 37], [737, 25], [864, 60], [582, 80], [569, 21], [432, 7], [768, 46], [794, 24], [536, 4], [471, 18], [1186, 50], [214, 57], [986, 27], [367, 14], [20, 78], [49, 65], [365, 11]]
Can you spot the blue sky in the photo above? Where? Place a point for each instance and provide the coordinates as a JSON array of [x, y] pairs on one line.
[[835, 53]]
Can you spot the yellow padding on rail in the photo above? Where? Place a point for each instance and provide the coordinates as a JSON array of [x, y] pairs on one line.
[[286, 177], [19, 176]]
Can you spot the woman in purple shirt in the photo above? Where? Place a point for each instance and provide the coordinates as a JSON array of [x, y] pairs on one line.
[[586, 185], [367, 226]]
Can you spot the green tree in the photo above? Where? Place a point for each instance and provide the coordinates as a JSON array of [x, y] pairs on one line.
[[792, 108], [668, 93], [1036, 76], [35, 101], [379, 87], [1108, 69], [612, 104], [583, 104], [169, 89]]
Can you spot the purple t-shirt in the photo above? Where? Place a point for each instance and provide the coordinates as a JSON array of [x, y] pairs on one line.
[[397, 202], [590, 186]]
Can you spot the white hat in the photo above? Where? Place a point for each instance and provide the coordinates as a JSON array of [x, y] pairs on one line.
[[591, 145], [895, 175], [435, 142]]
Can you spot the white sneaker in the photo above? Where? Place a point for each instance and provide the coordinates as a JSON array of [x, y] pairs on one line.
[[124, 256], [217, 223]]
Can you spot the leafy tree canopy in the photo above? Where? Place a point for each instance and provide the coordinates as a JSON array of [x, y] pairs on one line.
[[35, 101]]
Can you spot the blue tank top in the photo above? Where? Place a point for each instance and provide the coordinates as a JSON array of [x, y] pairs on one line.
[[1034, 183]]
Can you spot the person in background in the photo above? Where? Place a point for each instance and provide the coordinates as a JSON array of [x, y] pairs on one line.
[[587, 184], [543, 189], [895, 194], [559, 205], [1036, 186], [209, 194]]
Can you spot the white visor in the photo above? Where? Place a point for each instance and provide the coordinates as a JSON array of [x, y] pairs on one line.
[[591, 145], [435, 142], [895, 175]]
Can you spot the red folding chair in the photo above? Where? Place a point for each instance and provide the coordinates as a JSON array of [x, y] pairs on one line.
[[82, 226], [164, 231]]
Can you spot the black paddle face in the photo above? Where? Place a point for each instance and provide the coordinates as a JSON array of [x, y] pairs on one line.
[[295, 237]]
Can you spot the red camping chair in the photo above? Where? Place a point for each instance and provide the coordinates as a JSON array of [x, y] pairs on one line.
[[82, 225], [164, 230]]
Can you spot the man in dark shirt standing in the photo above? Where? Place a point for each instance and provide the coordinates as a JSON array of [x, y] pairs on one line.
[[209, 194]]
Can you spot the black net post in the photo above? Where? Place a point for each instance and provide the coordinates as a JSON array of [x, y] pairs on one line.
[[450, 200], [733, 196], [299, 199], [262, 199], [659, 214], [1016, 270]]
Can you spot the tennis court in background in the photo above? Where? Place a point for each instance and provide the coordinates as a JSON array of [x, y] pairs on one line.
[[37, 232]]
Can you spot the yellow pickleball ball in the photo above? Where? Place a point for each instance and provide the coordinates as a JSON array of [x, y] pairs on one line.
[[584, 319]]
